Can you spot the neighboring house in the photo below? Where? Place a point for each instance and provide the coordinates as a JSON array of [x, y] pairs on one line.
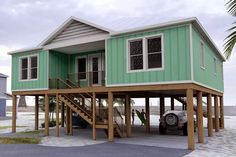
[[3, 95], [83, 61]]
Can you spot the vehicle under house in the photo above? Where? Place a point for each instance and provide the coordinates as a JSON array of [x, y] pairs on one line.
[[81, 64]]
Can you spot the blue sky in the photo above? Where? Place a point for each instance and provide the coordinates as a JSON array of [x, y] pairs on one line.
[[25, 23]]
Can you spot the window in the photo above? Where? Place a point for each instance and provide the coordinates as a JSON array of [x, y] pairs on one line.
[[202, 55], [215, 66], [136, 54], [145, 53], [222, 72], [29, 68], [33, 67], [154, 53], [24, 69], [81, 68]]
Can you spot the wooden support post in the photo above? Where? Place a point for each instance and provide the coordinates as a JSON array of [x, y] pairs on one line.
[[200, 118], [172, 102], [110, 117], [99, 106], [67, 120], [162, 105], [128, 115], [222, 126], [216, 113], [94, 116], [36, 109], [62, 114], [71, 127], [147, 109], [14, 113], [57, 116], [209, 115], [46, 101], [189, 95]]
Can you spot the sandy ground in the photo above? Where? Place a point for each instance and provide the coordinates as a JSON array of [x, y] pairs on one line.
[[223, 144]]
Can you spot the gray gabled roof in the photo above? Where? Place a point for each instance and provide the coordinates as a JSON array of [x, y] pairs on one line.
[[5, 96], [193, 20], [66, 24], [2, 75]]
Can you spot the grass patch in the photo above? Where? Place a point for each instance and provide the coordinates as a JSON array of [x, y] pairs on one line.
[[7, 127], [19, 140], [32, 132]]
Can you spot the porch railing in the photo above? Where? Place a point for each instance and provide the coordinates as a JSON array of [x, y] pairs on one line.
[[58, 83], [87, 78]]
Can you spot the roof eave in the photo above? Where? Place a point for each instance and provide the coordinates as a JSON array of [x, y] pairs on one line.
[[24, 50]]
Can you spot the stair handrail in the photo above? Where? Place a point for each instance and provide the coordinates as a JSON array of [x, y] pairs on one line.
[[121, 124], [72, 101]]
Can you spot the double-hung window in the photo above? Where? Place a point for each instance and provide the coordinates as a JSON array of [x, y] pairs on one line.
[[202, 55], [24, 68], [145, 53], [29, 68], [33, 67], [215, 66], [154, 51], [136, 54]]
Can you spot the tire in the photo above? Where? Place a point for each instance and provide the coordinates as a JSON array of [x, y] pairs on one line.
[[162, 130], [171, 119], [185, 129]]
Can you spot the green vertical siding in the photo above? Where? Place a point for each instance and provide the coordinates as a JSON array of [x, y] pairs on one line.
[[176, 58], [206, 75], [58, 65], [41, 82]]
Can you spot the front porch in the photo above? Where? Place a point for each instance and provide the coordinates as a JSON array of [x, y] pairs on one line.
[[81, 65]]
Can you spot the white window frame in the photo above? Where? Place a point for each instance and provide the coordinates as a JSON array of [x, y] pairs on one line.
[[162, 51], [215, 65], [145, 53], [128, 56], [86, 65], [202, 55], [28, 68]]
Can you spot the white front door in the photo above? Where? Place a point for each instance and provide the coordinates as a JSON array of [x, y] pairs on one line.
[[95, 69]]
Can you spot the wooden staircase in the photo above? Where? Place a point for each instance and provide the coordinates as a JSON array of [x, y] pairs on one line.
[[70, 101], [86, 115]]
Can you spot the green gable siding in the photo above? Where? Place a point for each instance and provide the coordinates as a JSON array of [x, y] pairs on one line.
[[41, 82], [206, 75], [58, 65], [176, 58]]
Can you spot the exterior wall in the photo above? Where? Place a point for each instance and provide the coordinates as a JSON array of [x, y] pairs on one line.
[[3, 85], [206, 76], [58, 65], [41, 82], [73, 63], [176, 58], [3, 88], [2, 108]]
